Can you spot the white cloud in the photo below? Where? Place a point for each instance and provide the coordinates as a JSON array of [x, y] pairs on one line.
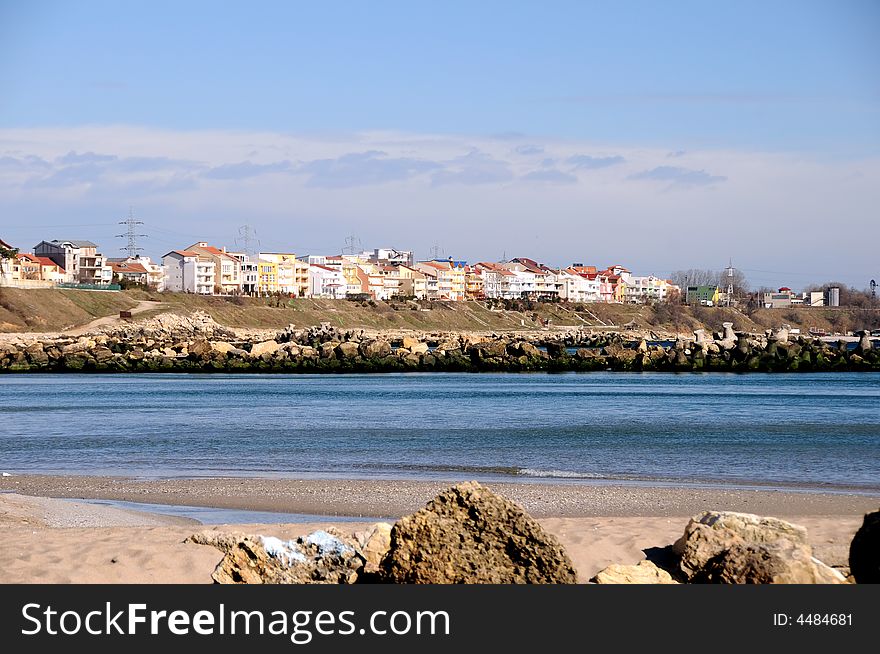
[[475, 196]]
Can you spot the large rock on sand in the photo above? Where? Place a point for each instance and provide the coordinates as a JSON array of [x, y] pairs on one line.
[[728, 547], [644, 572], [468, 534], [319, 558], [864, 551]]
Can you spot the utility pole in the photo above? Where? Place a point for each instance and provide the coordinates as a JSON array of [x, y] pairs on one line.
[[352, 245], [729, 271], [131, 234], [247, 238]]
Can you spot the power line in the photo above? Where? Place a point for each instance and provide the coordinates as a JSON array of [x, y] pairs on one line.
[[247, 237], [352, 245], [131, 234]]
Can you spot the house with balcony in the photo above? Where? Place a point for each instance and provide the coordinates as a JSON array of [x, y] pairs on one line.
[[250, 275], [285, 270], [496, 280], [227, 269], [80, 260], [130, 271], [267, 277], [189, 272], [327, 282], [576, 287]]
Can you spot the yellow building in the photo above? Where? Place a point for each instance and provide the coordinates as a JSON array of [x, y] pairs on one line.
[[285, 271], [267, 277]]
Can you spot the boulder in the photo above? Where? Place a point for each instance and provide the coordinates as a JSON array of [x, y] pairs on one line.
[[222, 347], [644, 572], [728, 547], [266, 347], [864, 551], [419, 348], [778, 562], [345, 350], [319, 558], [865, 345], [409, 342], [200, 348], [372, 545], [375, 349], [468, 534]]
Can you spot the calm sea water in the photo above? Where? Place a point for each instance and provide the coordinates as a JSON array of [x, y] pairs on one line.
[[798, 430]]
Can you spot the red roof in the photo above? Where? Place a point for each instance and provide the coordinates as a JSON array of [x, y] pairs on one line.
[[184, 253], [46, 261], [124, 267], [25, 255]]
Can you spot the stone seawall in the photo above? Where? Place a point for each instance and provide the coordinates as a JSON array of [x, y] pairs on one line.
[[197, 344]]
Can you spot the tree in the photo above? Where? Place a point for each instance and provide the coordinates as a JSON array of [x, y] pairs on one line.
[[694, 277], [6, 252]]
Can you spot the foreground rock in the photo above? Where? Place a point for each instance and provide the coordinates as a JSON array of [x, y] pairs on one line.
[[644, 572], [470, 535], [864, 551], [322, 557], [741, 548]]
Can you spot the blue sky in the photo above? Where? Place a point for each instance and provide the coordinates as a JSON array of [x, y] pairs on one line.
[[517, 128]]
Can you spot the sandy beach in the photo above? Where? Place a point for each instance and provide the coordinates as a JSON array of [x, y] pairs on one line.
[[65, 541]]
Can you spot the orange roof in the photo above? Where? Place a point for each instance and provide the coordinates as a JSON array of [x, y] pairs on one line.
[[215, 251], [25, 255], [46, 261], [123, 267]]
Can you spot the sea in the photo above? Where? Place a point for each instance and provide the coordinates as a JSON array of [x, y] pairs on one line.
[[786, 431]]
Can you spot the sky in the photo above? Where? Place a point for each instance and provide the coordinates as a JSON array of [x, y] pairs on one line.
[[660, 136]]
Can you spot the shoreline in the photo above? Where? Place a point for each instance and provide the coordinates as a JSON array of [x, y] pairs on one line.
[[374, 498]]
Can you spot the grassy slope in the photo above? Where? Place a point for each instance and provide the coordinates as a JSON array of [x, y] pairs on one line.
[[39, 310], [54, 310]]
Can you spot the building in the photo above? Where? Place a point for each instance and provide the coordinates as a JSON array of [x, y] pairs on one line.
[[267, 277], [814, 299], [450, 277], [155, 271], [645, 289], [327, 282], [578, 287], [8, 262], [80, 260], [707, 296], [540, 280], [473, 283], [28, 268], [189, 272], [227, 269], [285, 271], [498, 281], [389, 256], [130, 271], [250, 275]]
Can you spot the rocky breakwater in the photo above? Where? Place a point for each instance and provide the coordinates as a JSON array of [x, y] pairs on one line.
[[172, 343]]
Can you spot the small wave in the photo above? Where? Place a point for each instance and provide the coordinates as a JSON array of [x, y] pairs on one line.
[[557, 474]]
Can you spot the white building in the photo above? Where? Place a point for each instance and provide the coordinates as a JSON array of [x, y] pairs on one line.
[[643, 289], [250, 276], [326, 282], [189, 272], [575, 287]]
